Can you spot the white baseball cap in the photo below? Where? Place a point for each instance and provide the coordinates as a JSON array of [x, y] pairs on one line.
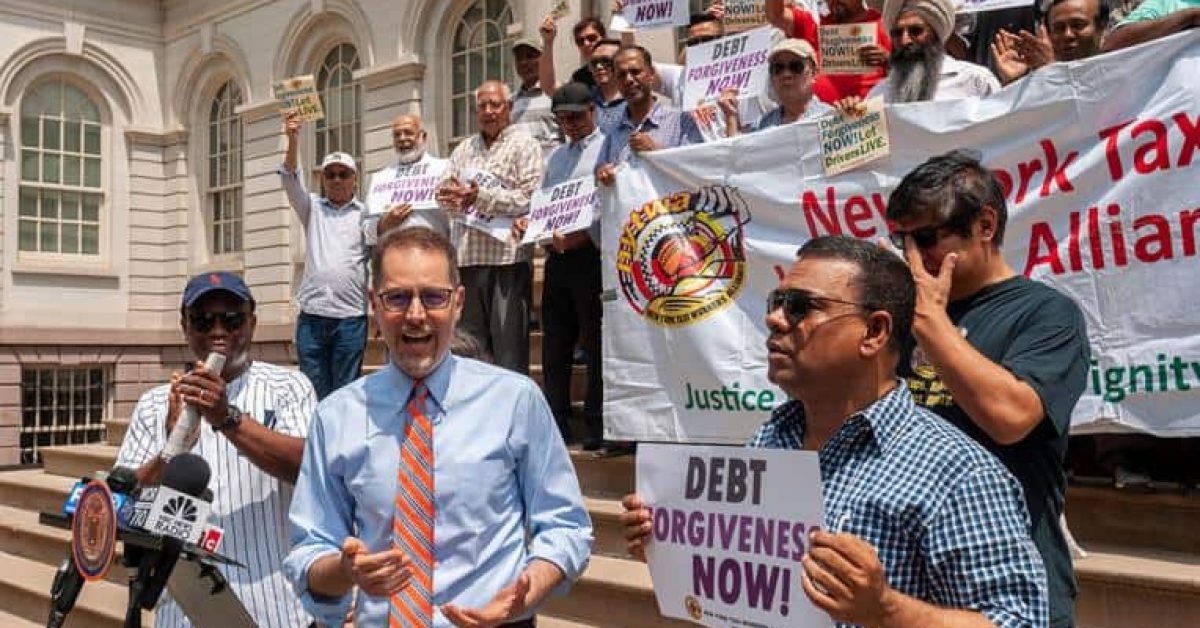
[[340, 159]]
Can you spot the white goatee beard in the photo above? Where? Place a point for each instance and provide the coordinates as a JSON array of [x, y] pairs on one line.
[[412, 155]]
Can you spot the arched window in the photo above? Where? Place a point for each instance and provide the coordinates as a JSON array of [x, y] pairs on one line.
[[481, 51], [341, 129], [224, 189], [61, 189]]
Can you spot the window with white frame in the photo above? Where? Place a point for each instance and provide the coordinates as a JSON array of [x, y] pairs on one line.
[[482, 51], [224, 189], [61, 189], [341, 97], [62, 406]]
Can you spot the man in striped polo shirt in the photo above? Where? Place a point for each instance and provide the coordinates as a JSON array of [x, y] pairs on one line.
[[257, 416]]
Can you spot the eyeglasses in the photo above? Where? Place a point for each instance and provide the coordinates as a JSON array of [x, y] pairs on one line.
[[915, 31], [400, 299], [338, 174], [203, 322], [796, 67], [701, 39], [924, 238], [601, 62], [797, 303], [587, 39]]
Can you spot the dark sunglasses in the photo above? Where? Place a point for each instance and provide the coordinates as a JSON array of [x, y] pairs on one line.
[[914, 31], [796, 67], [203, 322], [338, 174], [587, 39], [924, 238], [696, 41], [601, 62], [797, 303], [400, 299]]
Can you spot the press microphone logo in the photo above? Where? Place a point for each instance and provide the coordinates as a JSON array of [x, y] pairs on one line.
[[181, 508]]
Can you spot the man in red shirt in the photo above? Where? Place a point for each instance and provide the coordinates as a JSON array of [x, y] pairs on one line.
[[797, 22]]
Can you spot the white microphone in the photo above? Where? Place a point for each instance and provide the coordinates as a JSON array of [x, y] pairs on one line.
[[177, 441]]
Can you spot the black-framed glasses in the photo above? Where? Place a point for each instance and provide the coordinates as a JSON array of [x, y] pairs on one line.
[[701, 39], [796, 67], [601, 62], [203, 322], [924, 238], [915, 31], [338, 174], [797, 303], [400, 299]]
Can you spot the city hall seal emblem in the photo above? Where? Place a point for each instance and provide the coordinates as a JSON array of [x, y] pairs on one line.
[[681, 258]]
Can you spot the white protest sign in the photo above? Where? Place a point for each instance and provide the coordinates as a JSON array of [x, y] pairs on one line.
[[730, 525], [840, 44], [415, 184], [741, 15], [565, 208], [1099, 164], [299, 96], [648, 14], [734, 61], [978, 6], [849, 142], [498, 227]]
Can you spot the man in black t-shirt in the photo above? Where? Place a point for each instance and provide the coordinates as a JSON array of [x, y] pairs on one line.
[[1001, 356]]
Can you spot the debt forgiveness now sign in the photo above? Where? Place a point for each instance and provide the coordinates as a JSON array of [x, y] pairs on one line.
[[730, 525]]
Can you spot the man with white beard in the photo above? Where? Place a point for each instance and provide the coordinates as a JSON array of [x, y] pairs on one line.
[[412, 160], [919, 68]]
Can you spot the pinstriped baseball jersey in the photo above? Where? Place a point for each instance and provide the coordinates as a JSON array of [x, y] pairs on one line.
[[248, 503]]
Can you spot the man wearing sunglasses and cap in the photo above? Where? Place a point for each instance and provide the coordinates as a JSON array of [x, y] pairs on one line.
[[922, 527], [793, 66], [331, 331], [255, 417], [1001, 356]]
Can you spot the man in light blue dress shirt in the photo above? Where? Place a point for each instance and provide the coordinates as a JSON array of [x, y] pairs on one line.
[[500, 468]]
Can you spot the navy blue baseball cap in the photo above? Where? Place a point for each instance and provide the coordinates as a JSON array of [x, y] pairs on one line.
[[205, 283]]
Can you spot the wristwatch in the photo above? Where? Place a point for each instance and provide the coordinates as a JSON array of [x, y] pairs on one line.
[[232, 419]]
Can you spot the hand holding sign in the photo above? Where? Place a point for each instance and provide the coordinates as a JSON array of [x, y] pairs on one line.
[[636, 520], [843, 577], [395, 216]]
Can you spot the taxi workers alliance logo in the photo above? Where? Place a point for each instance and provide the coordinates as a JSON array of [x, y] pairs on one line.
[[693, 608], [682, 258]]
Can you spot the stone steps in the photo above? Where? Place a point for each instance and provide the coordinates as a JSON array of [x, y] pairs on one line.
[[24, 593]]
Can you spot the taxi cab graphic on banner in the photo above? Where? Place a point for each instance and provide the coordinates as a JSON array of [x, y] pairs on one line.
[[682, 257]]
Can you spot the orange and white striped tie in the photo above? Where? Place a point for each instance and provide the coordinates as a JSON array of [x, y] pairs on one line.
[[412, 524]]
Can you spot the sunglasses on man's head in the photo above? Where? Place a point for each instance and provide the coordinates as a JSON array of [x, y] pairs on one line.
[[797, 303], [203, 322], [400, 299], [796, 67], [338, 174], [702, 39]]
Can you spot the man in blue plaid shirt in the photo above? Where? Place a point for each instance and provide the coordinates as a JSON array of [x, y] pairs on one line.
[[924, 528]]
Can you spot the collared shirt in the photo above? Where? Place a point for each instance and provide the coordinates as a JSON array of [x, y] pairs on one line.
[[947, 519], [248, 503], [531, 113], [426, 166], [959, 79], [335, 264], [515, 159], [608, 114], [500, 468], [574, 160], [668, 127], [774, 117]]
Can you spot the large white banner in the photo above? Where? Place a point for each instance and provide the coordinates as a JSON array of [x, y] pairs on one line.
[[1100, 163]]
